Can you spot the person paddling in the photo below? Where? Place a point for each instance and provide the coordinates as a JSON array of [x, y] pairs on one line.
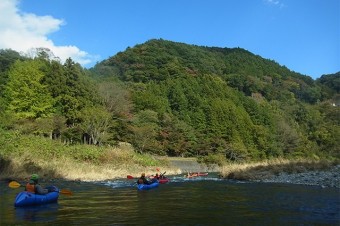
[[34, 187], [143, 180], [155, 178]]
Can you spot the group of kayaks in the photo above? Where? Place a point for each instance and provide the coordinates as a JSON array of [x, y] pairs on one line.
[[164, 180], [154, 183], [25, 198]]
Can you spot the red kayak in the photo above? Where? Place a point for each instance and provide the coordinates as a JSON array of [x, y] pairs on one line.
[[163, 180], [202, 174]]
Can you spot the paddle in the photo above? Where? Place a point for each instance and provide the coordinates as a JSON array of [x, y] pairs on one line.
[[162, 174], [14, 184]]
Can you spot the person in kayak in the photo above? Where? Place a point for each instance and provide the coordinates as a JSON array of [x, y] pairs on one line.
[[143, 180], [155, 178], [34, 187]]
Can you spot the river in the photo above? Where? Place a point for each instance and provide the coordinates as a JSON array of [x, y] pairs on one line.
[[198, 201]]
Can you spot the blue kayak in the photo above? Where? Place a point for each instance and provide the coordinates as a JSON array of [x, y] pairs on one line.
[[148, 186], [30, 199]]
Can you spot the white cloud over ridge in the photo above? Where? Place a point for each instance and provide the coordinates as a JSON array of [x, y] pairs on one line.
[[21, 32]]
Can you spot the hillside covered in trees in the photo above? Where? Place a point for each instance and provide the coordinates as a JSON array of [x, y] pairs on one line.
[[168, 98]]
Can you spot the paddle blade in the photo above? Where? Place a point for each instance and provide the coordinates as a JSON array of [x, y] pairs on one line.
[[129, 177], [65, 192], [14, 184]]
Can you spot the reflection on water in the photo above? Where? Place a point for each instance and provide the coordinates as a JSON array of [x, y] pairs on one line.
[[37, 213], [199, 201]]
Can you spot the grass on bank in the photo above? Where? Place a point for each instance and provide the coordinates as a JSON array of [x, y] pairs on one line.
[[22, 155]]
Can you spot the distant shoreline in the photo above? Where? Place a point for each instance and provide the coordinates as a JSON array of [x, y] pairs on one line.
[[321, 173], [324, 174], [324, 178]]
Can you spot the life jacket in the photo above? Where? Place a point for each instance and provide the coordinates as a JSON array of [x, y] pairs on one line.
[[30, 188]]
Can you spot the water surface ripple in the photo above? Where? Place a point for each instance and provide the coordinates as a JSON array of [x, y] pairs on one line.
[[198, 201]]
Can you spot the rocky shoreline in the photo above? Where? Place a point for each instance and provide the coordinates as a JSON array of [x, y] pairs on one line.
[[323, 178], [328, 178]]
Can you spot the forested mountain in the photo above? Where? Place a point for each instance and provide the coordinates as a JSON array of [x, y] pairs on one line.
[[175, 99], [157, 60]]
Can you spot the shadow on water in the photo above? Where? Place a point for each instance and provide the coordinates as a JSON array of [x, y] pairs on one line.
[[198, 201]]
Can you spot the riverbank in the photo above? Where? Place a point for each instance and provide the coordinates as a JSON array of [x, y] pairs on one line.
[[20, 156], [321, 173], [53, 160], [324, 178], [68, 169]]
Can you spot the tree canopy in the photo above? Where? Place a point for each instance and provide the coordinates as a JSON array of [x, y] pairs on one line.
[[169, 98]]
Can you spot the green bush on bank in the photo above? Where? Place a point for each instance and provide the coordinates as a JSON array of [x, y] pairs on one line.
[[13, 144]]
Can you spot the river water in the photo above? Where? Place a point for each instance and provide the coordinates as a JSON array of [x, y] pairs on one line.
[[198, 201]]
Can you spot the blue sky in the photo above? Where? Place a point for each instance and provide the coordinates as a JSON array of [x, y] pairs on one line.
[[303, 35]]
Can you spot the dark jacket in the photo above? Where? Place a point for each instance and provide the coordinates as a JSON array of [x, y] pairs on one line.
[[143, 180]]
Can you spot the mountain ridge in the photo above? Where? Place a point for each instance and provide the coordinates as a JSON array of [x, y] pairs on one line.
[[182, 47], [159, 59]]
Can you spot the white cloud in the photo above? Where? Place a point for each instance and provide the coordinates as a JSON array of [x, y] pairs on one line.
[[23, 31], [275, 3]]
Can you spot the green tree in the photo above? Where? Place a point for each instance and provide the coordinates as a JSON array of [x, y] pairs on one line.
[[7, 59], [77, 92], [95, 123], [145, 131], [177, 137], [27, 97]]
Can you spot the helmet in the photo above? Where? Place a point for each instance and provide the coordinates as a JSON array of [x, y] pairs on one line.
[[34, 177]]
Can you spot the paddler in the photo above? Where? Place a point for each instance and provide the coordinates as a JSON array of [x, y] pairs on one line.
[[143, 180], [34, 187]]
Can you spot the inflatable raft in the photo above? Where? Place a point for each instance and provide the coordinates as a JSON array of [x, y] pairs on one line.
[[148, 186], [30, 199]]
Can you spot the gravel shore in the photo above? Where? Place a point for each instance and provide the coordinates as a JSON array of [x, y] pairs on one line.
[[329, 178]]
